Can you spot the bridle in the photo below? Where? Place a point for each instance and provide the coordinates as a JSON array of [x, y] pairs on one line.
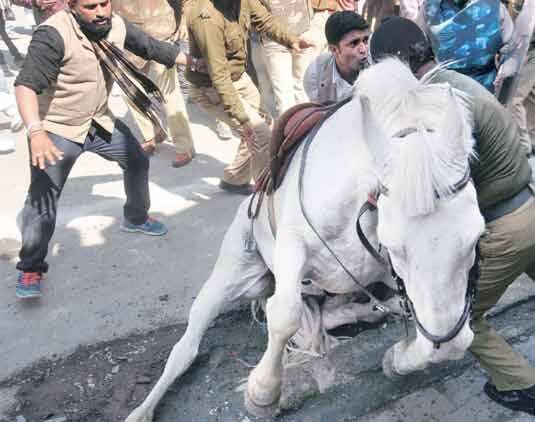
[[408, 306]]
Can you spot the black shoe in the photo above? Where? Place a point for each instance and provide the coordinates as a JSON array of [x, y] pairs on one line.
[[245, 189], [520, 400]]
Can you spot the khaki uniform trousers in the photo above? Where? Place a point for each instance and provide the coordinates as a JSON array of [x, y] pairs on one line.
[[523, 104], [178, 126], [286, 69], [250, 160], [507, 250]]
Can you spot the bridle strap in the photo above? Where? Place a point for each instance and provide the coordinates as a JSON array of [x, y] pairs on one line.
[[409, 306], [368, 206], [438, 340], [377, 304]]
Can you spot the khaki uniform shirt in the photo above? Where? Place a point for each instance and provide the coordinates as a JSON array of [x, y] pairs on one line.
[[218, 32]]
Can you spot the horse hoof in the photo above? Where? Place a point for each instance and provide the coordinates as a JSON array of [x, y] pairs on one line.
[[388, 366], [261, 411]]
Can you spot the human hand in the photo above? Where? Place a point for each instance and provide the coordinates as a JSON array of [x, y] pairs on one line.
[[43, 150], [302, 44], [196, 64]]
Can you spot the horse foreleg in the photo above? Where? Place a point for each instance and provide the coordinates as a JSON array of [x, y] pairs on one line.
[[236, 275], [283, 313]]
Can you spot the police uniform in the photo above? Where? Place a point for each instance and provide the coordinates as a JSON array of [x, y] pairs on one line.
[[218, 32]]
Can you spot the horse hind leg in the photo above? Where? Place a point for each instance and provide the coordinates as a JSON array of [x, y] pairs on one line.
[[283, 313], [236, 275]]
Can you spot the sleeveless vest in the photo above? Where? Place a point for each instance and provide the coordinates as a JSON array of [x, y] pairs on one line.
[[80, 94], [471, 36]]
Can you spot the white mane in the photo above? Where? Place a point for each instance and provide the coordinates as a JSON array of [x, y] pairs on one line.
[[428, 161]]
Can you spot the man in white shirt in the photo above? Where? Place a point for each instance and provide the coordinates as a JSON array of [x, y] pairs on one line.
[[330, 76]]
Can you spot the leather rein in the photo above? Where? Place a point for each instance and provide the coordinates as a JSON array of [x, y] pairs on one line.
[[370, 205]]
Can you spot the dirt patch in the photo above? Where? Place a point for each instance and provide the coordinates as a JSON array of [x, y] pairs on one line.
[[104, 382]]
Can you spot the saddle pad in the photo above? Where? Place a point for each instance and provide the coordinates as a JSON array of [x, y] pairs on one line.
[[290, 129]]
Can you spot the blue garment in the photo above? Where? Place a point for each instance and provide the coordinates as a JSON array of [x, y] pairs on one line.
[[471, 36]]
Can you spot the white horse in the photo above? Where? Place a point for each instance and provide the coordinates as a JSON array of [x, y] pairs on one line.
[[419, 151]]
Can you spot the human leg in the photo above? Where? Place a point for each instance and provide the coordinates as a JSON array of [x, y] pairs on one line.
[[279, 64], [39, 213], [5, 37], [240, 171], [264, 82], [251, 158], [122, 147], [507, 250], [301, 60], [174, 105]]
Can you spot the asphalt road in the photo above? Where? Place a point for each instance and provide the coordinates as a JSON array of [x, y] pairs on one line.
[[104, 284]]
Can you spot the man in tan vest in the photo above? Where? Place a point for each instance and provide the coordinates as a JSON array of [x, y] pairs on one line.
[[161, 20], [62, 93], [330, 76]]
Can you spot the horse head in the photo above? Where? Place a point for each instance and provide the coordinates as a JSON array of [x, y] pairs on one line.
[[429, 219]]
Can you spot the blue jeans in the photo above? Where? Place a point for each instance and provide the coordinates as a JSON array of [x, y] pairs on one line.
[[39, 214]]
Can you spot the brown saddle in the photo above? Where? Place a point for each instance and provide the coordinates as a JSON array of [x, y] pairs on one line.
[[290, 129]]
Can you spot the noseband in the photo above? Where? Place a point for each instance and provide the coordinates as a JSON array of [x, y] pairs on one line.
[[408, 306]]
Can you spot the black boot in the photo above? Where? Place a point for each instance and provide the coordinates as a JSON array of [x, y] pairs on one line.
[[520, 400]]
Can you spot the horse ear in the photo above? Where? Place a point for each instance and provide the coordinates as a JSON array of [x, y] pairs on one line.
[[374, 136]]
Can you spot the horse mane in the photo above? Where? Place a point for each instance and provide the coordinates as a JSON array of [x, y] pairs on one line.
[[426, 163]]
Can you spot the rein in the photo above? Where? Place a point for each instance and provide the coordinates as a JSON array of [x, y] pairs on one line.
[[377, 304], [408, 306]]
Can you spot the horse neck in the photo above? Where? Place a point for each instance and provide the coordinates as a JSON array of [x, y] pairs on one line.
[[350, 163]]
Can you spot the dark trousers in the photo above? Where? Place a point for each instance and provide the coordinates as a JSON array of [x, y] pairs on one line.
[[39, 214]]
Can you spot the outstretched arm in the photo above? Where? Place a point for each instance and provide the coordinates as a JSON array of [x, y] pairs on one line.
[[148, 48], [39, 72]]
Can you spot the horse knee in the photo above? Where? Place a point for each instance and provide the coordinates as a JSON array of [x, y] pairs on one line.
[[283, 320]]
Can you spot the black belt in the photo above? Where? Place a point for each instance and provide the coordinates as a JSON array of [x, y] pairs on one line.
[[507, 206]]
